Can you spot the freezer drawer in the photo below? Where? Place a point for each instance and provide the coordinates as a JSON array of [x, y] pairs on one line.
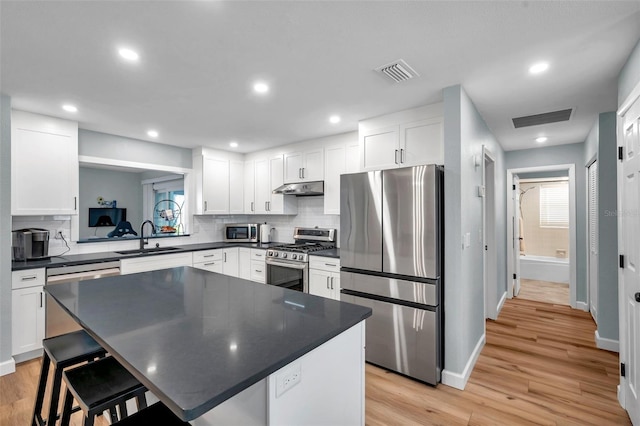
[[402, 338], [409, 291]]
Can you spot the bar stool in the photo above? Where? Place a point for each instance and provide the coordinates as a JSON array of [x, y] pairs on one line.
[[63, 351], [99, 386], [157, 414]]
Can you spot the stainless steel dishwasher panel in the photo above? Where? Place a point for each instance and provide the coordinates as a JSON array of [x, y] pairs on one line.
[[57, 321], [401, 338]]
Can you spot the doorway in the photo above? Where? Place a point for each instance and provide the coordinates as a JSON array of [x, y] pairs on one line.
[[554, 182], [489, 235]]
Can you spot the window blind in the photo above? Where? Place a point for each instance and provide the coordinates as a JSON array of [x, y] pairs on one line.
[[554, 205]]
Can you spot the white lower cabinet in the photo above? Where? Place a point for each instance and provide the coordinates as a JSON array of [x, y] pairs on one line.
[[258, 266], [230, 261], [152, 263], [244, 263], [208, 260], [27, 310], [324, 277]]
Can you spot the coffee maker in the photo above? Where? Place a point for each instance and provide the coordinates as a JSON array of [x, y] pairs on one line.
[[30, 244]]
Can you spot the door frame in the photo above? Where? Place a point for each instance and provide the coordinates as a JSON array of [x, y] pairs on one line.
[[489, 256], [588, 234], [570, 168]]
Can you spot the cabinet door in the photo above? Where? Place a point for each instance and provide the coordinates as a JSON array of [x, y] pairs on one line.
[[320, 283], [276, 173], [249, 187], [421, 142], [236, 187], [263, 191], [353, 157], [27, 319], [44, 165], [215, 186], [293, 164], [380, 148], [230, 261], [313, 165], [334, 284], [258, 271], [334, 167], [244, 263]]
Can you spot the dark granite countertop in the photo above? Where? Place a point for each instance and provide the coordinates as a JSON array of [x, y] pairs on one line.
[[109, 256], [334, 252], [196, 338]]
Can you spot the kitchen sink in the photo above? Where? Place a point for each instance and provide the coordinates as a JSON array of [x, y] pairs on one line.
[[148, 250]]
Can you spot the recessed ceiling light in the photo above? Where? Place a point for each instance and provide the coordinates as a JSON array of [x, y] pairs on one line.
[[260, 87], [152, 133], [70, 108], [233, 144], [539, 67], [541, 139], [128, 54], [334, 119]]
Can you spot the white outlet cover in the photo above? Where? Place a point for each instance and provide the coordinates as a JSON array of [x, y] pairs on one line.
[[288, 378]]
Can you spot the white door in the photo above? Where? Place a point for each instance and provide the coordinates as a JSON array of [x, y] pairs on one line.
[[630, 232], [593, 239], [515, 222]]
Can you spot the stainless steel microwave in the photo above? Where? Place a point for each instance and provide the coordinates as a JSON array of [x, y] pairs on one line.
[[242, 232]]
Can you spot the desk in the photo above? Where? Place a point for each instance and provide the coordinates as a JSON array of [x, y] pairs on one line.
[[197, 338]]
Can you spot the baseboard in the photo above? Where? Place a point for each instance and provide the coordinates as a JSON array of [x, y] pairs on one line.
[[459, 380], [583, 306], [607, 344], [7, 367], [620, 396], [501, 303]]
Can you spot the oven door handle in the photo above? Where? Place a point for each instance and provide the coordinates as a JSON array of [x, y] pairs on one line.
[[291, 265]]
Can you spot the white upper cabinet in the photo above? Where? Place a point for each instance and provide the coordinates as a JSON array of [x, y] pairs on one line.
[[249, 205], [334, 167], [304, 166], [262, 186], [219, 179], [269, 174], [406, 138], [44, 165]]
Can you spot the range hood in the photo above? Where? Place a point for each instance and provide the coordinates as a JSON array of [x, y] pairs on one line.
[[301, 189]]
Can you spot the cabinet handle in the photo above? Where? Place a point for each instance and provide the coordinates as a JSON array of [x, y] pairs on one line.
[[303, 173], [205, 206], [299, 173], [225, 257], [41, 299], [327, 283], [252, 208], [330, 264], [209, 264], [402, 155], [258, 270], [266, 207], [31, 278], [75, 203], [331, 283], [395, 157], [208, 255]]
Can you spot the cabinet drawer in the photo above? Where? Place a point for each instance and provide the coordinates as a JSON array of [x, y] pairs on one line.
[[328, 264], [211, 266], [257, 254], [207, 255], [258, 270], [27, 278]]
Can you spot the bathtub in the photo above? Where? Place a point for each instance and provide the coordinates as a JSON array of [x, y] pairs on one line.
[[544, 268]]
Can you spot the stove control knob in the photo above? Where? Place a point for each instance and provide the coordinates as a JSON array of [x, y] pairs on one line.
[[294, 256], [269, 253], [284, 255], [275, 254]]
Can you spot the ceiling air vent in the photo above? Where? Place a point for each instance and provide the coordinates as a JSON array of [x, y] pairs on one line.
[[544, 118], [398, 71]]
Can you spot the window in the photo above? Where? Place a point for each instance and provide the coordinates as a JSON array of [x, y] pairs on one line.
[[164, 202], [554, 205]]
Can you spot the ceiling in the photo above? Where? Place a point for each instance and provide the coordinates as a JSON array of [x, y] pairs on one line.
[[199, 60]]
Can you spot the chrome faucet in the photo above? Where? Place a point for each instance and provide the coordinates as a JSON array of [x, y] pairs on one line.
[[153, 231]]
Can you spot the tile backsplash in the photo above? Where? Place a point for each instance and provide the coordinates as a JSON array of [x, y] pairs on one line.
[[203, 228]]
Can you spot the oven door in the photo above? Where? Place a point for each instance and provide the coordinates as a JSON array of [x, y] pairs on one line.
[[291, 275]]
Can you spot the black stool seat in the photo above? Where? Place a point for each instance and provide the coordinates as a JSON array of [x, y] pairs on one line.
[[98, 386], [157, 414], [62, 351]]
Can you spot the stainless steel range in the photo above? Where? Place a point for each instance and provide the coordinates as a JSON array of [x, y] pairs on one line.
[[288, 264]]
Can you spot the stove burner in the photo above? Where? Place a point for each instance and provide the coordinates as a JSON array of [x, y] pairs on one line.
[[304, 247]]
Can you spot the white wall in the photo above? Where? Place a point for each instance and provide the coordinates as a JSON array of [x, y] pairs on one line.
[[629, 75], [465, 132]]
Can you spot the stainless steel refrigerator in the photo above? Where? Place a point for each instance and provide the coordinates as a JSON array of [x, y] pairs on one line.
[[391, 261]]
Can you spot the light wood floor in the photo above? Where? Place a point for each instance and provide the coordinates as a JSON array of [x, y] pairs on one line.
[[544, 291], [539, 366]]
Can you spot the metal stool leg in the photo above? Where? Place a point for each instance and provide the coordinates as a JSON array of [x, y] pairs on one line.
[[42, 385]]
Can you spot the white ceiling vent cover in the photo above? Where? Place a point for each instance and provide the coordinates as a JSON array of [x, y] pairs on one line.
[[398, 71]]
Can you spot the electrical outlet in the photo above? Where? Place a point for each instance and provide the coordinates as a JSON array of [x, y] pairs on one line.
[[288, 379], [59, 234]]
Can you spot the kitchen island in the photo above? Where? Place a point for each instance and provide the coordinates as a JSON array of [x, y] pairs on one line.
[[223, 350]]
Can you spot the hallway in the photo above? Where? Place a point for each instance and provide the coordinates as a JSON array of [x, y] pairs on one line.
[[544, 291]]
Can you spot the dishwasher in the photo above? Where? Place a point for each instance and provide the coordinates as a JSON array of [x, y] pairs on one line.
[[57, 321]]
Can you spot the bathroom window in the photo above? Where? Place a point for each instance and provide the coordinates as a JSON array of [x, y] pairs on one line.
[[554, 205]]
